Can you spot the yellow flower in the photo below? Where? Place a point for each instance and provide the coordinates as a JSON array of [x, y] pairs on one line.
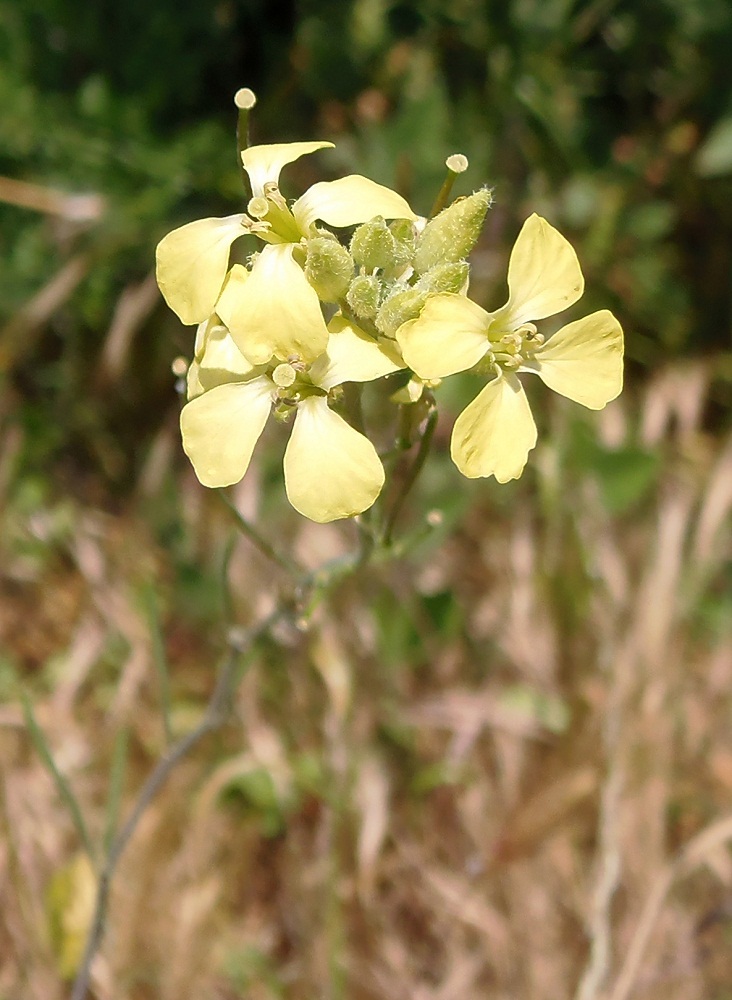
[[331, 470], [583, 360], [192, 261]]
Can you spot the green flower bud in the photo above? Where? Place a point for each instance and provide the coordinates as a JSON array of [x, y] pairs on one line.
[[404, 239], [373, 245], [398, 308], [452, 234], [328, 268], [449, 276], [363, 295]]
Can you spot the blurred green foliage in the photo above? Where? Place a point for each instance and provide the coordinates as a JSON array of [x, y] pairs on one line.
[[611, 117]]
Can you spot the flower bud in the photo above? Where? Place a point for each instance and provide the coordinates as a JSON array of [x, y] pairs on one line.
[[328, 268], [373, 245], [398, 308], [449, 276], [363, 296], [404, 241], [452, 234]]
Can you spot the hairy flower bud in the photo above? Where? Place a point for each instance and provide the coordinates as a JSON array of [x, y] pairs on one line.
[[328, 268], [404, 241], [452, 234], [398, 308], [363, 295], [373, 245], [449, 276]]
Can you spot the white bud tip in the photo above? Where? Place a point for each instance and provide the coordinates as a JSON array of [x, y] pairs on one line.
[[179, 367], [245, 99], [457, 163]]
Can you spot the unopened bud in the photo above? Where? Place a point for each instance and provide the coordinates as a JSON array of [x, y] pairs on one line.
[[452, 234], [373, 245], [449, 276], [363, 296], [328, 268], [404, 241], [398, 308]]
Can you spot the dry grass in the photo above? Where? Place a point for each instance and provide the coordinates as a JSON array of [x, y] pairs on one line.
[[470, 779]]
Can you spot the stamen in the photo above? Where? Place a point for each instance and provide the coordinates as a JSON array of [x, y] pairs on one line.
[[272, 193], [258, 207]]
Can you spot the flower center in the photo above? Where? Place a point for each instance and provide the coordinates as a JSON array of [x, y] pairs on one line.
[[513, 348]]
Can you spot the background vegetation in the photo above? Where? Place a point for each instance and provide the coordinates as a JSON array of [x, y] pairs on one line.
[[473, 776]]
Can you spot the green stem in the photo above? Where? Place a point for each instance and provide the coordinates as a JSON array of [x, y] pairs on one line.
[[410, 477], [261, 543]]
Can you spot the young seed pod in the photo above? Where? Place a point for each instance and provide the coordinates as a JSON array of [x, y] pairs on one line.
[[452, 234]]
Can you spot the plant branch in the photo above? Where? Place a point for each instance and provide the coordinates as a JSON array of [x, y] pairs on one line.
[[214, 716], [411, 477], [259, 541]]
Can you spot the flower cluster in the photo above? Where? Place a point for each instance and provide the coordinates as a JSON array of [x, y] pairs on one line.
[[305, 313]]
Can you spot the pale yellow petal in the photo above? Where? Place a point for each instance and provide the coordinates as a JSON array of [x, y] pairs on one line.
[[275, 310], [201, 335], [264, 163], [221, 427], [193, 382], [348, 202], [353, 356], [191, 264], [448, 336], [495, 433], [331, 471], [221, 360], [584, 360], [544, 275]]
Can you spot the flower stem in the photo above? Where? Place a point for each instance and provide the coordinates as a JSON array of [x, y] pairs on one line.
[[410, 477], [261, 543]]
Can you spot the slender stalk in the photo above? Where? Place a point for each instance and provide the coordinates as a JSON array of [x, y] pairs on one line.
[[410, 478], [214, 716], [259, 541], [312, 588]]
